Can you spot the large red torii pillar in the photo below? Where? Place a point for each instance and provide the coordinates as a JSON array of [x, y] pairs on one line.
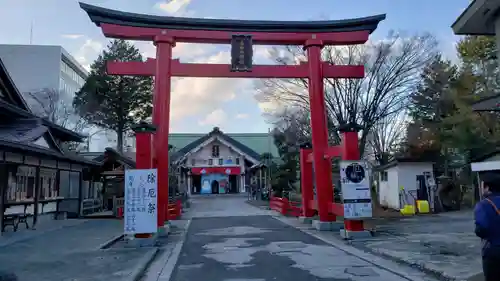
[[166, 31]]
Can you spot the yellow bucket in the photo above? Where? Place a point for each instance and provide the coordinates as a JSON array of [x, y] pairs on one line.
[[408, 210], [423, 206]]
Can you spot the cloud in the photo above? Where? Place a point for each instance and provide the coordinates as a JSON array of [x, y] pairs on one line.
[[214, 118], [88, 52], [72, 36], [176, 8], [190, 97], [242, 116]]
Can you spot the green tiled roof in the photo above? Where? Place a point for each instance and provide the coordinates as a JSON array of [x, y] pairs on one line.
[[259, 142]]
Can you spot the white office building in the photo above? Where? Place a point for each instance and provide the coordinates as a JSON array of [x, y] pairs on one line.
[[37, 67]]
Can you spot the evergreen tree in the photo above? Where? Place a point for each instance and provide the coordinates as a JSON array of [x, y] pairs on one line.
[[478, 55], [286, 173], [431, 102], [115, 102]]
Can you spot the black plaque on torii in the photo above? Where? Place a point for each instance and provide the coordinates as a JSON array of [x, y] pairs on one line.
[[241, 53]]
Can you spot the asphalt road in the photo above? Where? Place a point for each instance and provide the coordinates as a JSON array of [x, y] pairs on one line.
[[237, 248]]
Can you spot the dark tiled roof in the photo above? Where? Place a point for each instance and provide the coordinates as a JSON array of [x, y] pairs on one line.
[[100, 15], [23, 148], [23, 130], [216, 133], [100, 157]]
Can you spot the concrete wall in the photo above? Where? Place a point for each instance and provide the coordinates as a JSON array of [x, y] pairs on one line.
[[386, 189], [32, 67], [35, 67]]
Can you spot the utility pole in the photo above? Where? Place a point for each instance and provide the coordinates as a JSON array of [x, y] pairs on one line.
[[31, 32]]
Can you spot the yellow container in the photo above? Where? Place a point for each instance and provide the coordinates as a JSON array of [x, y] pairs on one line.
[[423, 206], [408, 210]]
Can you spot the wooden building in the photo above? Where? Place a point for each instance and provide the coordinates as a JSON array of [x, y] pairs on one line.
[[38, 180], [111, 171]]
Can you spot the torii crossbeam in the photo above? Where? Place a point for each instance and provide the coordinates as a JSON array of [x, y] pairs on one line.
[[166, 31]]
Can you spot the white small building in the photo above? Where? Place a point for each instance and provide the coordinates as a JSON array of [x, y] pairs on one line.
[[403, 174]]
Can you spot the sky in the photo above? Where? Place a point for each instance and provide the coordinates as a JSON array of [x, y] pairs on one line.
[[200, 104]]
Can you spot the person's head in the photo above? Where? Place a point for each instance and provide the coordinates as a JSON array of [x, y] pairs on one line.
[[491, 181]]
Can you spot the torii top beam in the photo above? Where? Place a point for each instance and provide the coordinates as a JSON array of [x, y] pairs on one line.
[[133, 26]]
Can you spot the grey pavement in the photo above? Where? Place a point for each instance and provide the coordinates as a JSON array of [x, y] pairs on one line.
[[222, 205], [9, 236], [231, 241], [444, 244], [71, 253]]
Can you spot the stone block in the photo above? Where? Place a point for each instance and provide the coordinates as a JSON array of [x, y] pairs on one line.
[[132, 242], [305, 220], [336, 225], [348, 234], [322, 225], [164, 231]]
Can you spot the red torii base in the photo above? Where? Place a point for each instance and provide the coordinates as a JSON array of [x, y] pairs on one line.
[[347, 150], [165, 32]]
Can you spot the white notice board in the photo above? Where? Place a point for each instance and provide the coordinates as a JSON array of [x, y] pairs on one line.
[[141, 211], [356, 194]]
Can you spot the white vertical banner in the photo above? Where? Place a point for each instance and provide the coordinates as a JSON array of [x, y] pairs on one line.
[[141, 201], [356, 191]]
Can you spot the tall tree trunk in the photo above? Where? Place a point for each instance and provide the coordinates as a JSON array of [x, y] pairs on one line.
[[119, 138]]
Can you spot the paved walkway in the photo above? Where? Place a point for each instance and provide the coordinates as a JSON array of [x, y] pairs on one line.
[[453, 252], [70, 253], [222, 205], [229, 240]]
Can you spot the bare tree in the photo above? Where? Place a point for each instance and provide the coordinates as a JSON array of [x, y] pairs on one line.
[[386, 137], [392, 68], [51, 105]]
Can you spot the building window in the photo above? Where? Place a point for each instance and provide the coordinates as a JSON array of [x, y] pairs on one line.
[[383, 176], [48, 186], [69, 183], [237, 160], [215, 151], [221, 161], [210, 162], [193, 162], [20, 183]]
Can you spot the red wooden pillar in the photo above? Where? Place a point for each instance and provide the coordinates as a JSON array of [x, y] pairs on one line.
[[322, 166], [143, 142], [161, 118], [350, 151], [306, 180]]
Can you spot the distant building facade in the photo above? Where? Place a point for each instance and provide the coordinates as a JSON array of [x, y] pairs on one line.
[[220, 163], [37, 67]]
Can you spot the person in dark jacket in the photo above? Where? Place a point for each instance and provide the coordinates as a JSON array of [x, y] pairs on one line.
[[487, 220]]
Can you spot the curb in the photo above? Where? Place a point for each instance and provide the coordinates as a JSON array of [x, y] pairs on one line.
[[422, 266], [110, 242], [168, 269], [142, 265], [377, 261]]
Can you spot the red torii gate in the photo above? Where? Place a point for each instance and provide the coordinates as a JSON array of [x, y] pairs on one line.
[[313, 35]]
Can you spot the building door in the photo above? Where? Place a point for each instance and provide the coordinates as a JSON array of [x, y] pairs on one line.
[[233, 183], [422, 192], [215, 187]]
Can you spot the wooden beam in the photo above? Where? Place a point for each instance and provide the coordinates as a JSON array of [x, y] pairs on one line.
[[179, 69], [224, 37]]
